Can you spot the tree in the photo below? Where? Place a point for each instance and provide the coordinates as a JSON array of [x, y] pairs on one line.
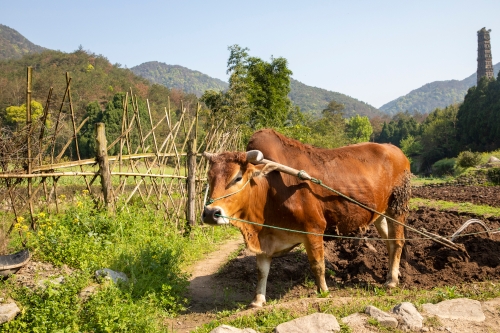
[[439, 132], [16, 115], [359, 129], [257, 94]]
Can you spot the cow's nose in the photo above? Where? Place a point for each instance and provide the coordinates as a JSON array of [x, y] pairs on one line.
[[209, 215]]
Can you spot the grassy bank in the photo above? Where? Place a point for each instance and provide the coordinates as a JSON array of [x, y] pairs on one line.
[[136, 241]]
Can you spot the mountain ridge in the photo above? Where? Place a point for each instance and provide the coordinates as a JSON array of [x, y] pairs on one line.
[[432, 95], [13, 45]]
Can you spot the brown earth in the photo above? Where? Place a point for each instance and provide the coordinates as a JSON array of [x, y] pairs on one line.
[[478, 195]]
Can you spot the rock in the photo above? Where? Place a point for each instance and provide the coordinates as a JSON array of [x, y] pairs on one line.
[[493, 159], [382, 317], [315, 323], [355, 319], [230, 329], [460, 308], [57, 281], [8, 312], [409, 316], [112, 275]]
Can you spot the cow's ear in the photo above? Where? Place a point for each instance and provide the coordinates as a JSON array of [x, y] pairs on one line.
[[264, 170]]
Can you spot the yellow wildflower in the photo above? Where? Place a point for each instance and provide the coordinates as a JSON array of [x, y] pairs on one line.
[[20, 219], [41, 215]]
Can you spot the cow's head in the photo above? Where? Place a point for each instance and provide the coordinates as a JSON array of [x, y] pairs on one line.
[[230, 179]]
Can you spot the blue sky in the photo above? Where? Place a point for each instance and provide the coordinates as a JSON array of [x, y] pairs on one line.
[[374, 51]]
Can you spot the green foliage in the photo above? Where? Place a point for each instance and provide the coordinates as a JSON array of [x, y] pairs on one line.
[[400, 127], [411, 146], [16, 115], [439, 132], [444, 167], [52, 308], [257, 94], [467, 159], [359, 129], [478, 119], [135, 241]]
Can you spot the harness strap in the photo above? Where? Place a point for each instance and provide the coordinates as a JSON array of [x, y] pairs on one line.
[[211, 201]]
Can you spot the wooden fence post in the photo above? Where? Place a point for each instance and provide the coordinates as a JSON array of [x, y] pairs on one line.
[[28, 125], [191, 182], [104, 172]]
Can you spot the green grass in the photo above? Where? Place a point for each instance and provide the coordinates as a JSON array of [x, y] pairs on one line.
[[461, 207], [138, 242], [423, 181]]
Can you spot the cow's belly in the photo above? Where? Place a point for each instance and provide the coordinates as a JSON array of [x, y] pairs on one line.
[[275, 245]]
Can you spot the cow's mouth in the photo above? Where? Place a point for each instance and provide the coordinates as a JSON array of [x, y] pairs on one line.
[[214, 216]]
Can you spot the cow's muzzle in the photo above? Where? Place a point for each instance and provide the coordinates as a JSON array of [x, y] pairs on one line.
[[214, 215]]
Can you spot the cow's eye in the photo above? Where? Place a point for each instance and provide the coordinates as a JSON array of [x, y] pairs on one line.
[[237, 179]]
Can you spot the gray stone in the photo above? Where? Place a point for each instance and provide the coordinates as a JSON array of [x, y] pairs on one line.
[[230, 329], [57, 281], [314, 323], [382, 317], [460, 308], [112, 275], [409, 316], [8, 312], [355, 319], [493, 159]]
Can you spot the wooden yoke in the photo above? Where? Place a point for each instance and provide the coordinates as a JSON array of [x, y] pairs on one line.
[[256, 157]]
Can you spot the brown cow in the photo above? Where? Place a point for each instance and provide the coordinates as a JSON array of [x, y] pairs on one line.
[[377, 175]]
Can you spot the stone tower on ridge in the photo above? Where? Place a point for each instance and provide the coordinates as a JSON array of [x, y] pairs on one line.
[[484, 62]]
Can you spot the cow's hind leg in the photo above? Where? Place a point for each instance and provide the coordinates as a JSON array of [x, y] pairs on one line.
[[263, 265], [393, 233], [315, 253]]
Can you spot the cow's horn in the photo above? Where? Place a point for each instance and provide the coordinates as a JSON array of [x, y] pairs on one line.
[[209, 156], [254, 156]]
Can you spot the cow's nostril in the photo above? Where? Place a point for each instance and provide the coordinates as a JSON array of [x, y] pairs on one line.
[[217, 214]]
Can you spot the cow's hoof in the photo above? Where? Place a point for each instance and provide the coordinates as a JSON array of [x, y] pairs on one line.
[[255, 305], [391, 284], [258, 301]]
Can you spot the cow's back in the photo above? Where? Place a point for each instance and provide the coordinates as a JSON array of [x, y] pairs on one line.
[[366, 172]]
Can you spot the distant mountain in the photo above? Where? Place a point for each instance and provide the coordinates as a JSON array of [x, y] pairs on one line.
[[309, 99], [437, 94], [174, 76], [13, 45], [312, 99]]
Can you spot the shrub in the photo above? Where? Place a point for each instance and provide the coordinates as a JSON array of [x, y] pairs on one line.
[[467, 159], [444, 167]]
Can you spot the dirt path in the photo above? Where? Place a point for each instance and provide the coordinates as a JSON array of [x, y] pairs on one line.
[[206, 296]]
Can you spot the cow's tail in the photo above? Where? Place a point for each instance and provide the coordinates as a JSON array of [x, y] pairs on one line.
[[400, 205]]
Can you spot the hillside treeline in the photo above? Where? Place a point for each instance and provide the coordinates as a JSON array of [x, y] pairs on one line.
[[98, 89], [473, 125]]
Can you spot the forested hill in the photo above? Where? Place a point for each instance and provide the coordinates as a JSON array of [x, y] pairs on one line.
[[178, 77], [309, 99], [13, 45], [312, 99], [437, 94]]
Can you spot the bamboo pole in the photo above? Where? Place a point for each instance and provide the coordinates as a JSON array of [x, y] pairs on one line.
[[102, 160], [28, 124]]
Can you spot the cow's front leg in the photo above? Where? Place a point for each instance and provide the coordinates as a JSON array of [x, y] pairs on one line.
[[263, 265], [316, 256]]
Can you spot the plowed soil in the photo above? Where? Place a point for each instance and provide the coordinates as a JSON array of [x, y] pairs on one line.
[[364, 262], [478, 195]]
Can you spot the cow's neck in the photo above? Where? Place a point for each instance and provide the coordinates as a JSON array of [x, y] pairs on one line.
[[257, 195]]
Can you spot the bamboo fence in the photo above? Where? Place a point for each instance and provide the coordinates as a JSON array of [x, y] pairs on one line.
[[160, 168]]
